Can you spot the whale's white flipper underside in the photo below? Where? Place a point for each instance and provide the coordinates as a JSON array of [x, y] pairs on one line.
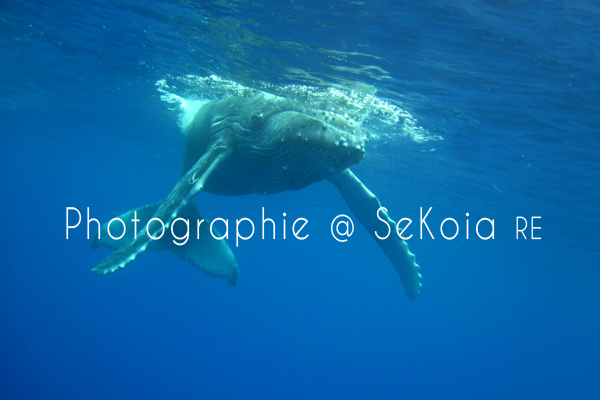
[[364, 205]]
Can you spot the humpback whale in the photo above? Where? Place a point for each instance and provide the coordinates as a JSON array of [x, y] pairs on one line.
[[261, 144]]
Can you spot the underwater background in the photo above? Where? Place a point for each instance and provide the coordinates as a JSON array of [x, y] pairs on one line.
[[483, 107]]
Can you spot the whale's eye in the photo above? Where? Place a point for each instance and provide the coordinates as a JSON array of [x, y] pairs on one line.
[[256, 118], [194, 177]]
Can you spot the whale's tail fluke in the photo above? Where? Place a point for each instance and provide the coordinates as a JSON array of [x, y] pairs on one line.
[[203, 250], [185, 238]]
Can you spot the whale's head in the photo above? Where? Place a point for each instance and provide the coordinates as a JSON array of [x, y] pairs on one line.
[[274, 144], [322, 140]]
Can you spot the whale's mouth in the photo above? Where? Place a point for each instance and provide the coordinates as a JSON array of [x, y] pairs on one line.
[[317, 132]]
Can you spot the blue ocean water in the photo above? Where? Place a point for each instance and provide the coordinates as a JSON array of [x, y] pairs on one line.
[[481, 107]]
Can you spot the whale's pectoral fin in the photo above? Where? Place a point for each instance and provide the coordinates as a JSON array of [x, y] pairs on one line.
[[169, 209], [123, 233], [365, 205]]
